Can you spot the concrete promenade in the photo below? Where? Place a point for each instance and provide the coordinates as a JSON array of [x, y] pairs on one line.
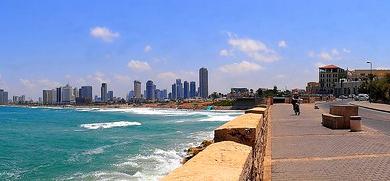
[[302, 149], [373, 106]]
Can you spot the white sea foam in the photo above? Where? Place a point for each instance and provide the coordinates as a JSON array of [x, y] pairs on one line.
[[109, 125], [223, 118], [94, 151], [153, 166]]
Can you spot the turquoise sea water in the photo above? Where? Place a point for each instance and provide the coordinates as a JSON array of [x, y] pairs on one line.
[[99, 144]]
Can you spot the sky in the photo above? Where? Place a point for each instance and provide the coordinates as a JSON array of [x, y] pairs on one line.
[[45, 44]]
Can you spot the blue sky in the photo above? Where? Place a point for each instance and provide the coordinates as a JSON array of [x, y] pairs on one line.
[[253, 44]]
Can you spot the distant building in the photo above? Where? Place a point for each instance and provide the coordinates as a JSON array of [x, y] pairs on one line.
[[164, 94], [174, 96], [363, 74], [345, 87], [137, 89], [85, 95], [110, 96], [59, 95], [66, 94], [203, 83], [313, 88], [47, 97], [238, 93], [329, 75], [130, 95], [3, 97], [186, 92], [54, 96], [150, 90], [76, 94], [192, 89], [103, 92], [179, 89]]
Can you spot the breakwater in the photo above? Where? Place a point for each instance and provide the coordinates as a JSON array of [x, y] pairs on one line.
[[237, 153]]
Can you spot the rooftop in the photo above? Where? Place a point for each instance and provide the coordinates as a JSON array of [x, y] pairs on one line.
[[329, 67]]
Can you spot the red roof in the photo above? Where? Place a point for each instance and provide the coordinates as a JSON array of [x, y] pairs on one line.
[[329, 67]]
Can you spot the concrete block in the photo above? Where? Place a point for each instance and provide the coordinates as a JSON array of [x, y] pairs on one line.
[[356, 123], [333, 121], [243, 129], [225, 160]]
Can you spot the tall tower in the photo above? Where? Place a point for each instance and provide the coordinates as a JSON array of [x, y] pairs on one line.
[[103, 92], [192, 89], [137, 89], [203, 83], [149, 90], [186, 90]]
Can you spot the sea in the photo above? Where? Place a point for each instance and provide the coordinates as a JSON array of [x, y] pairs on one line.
[[54, 143]]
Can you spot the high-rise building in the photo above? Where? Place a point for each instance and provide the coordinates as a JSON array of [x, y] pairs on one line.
[[186, 92], [59, 95], [110, 96], [149, 90], [192, 89], [47, 97], [203, 83], [85, 95], [130, 96], [66, 94], [137, 89], [173, 97], [179, 89], [76, 93], [164, 94], [103, 92], [3, 97], [53, 96]]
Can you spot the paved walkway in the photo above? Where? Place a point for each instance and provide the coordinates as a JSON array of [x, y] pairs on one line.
[[302, 149], [374, 106]]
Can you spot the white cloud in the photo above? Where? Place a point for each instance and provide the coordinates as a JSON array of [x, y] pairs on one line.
[[41, 83], [167, 76], [243, 66], [103, 33], [346, 50], [147, 48], [138, 65], [254, 49], [282, 44], [224, 53], [333, 54]]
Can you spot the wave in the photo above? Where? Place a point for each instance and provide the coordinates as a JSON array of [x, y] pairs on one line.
[[109, 125], [158, 111], [153, 166]]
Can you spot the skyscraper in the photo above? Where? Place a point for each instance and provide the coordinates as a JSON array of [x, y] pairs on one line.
[[59, 94], [3, 97], [110, 96], [192, 89], [149, 90], [137, 89], [85, 95], [173, 97], [47, 96], [103, 92], [186, 91], [203, 83], [179, 89], [66, 94]]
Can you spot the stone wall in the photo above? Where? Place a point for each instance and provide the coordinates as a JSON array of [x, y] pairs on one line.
[[237, 152]]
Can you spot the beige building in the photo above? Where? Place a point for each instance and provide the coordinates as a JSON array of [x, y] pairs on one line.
[[329, 75], [313, 88], [362, 74]]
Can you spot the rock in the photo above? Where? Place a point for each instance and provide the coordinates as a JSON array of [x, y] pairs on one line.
[[192, 151]]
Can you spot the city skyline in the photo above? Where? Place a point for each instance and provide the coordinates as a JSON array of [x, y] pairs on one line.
[[239, 43]]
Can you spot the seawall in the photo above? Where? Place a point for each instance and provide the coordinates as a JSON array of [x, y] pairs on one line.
[[237, 153]]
